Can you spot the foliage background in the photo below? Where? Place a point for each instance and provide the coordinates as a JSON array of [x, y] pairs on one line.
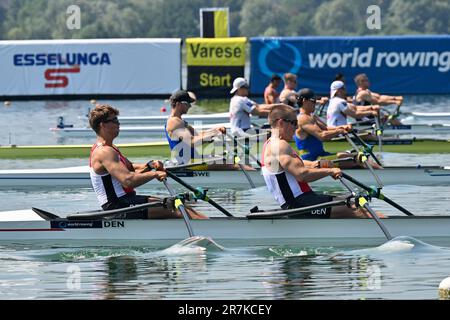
[[46, 19]]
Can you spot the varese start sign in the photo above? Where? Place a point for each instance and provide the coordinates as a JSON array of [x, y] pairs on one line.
[[97, 66]]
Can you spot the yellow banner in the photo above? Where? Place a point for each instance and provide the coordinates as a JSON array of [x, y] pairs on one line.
[[216, 51], [221, 24]]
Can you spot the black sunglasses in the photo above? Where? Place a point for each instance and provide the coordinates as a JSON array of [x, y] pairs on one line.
[[113, 120]]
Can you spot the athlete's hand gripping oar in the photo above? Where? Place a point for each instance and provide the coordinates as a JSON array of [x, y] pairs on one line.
[[376, 194], [180, 206], [198, 193], [365, 204], [365, 161]]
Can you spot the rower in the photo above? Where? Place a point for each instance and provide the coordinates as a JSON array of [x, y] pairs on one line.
[[312, 131], [287, 175], [114, 177], [339, 108], [183, 138], [364, 97], [241, 107], [271, 95]]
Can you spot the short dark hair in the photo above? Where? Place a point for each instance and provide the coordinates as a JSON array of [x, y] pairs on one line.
[[339, 76], [100, 113], [275, 77]]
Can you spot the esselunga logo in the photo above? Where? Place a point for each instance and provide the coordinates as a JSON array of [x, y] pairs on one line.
[[55, 76], [55, 59], [360, 58], [215, 51]]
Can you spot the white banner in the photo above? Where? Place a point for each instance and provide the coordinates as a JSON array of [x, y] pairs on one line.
[[95, 66]]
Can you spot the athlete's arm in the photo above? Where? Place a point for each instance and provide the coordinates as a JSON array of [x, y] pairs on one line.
[[302, 173], [314, 130], [109, 159]]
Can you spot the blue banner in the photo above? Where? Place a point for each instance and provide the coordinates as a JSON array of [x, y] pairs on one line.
[[394, 64]]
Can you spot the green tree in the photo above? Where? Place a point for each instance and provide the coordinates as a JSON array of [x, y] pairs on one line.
[[419, 16], [345, 17]]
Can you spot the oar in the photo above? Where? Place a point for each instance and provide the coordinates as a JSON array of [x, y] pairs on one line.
[[241, 166], [243, 148], [365, 204], [365, 161], [376, 194], [379, 133], [366, 147], [200, 194], [237, 160], [180, 206]]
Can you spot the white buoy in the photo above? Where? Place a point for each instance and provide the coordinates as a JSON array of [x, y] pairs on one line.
[[93, 101], [444, 289], [7, 103]]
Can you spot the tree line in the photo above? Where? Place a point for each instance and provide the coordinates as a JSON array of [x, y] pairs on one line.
[[46, 19]]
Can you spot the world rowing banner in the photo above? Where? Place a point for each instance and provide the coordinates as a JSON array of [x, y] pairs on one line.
[[97, 66], [213, 63], [394, 64]]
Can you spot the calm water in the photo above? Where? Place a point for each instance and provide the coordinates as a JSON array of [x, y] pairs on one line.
[[28, 122], [401, 269]]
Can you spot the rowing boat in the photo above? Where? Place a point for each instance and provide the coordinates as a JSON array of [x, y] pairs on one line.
[[79, 176], [417, 130], [158, 131], [429, 116], [160, 120], [148, 132], [26, 226], [161, 149]]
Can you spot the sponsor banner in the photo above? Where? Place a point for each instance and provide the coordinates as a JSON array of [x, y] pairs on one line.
[[100, 66], [394, 64], [213, 63], [213, 80]]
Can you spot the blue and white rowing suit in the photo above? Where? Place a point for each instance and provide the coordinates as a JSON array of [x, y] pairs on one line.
[[180, 147]]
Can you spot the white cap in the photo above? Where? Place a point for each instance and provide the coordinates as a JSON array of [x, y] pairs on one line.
[[238, 83], [335, 86]]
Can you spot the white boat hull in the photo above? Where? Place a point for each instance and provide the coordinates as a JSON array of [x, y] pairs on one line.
[[212, 118], [418, 129], [79, 176], [148, 132], [355, 231]]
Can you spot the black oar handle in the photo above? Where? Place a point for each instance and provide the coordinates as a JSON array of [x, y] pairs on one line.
[[195, 190], [377, 195]]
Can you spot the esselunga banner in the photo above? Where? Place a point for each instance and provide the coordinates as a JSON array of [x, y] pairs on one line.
[[394, 64], [213, 64], [97, 66]]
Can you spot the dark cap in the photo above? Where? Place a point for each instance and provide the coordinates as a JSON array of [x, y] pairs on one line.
[[180, 96], [305, 93]]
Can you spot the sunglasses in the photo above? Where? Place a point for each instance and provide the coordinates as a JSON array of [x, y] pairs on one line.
[[113, 120], [186, 103]]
